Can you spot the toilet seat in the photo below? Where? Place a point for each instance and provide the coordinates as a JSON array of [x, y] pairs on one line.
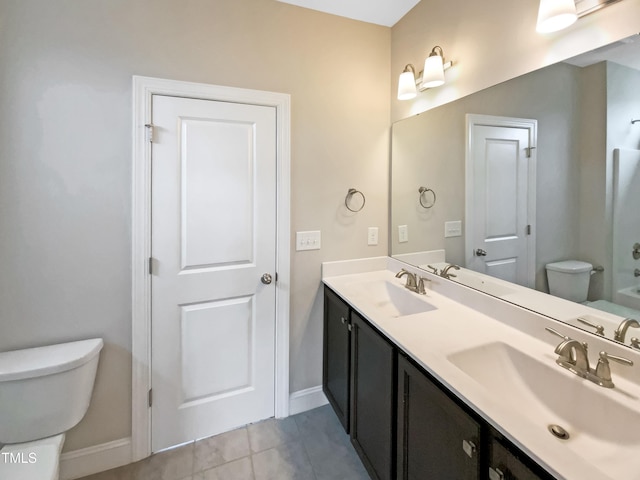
[[38, 460]]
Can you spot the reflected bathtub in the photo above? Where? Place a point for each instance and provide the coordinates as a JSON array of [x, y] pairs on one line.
[[629, 297]]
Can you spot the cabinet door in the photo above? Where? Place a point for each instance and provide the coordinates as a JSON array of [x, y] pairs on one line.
[[504, 465], [373, 372], [437, 440], [337, 351]]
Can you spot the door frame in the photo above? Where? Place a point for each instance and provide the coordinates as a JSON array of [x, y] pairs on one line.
[[472, 121], [143, 90]]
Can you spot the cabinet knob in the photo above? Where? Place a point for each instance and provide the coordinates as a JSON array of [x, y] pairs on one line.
[[495, 474], [469, 448], [343, 320]]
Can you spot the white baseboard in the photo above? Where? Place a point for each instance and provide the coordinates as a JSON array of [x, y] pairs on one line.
[[90, 460], [306, 399]]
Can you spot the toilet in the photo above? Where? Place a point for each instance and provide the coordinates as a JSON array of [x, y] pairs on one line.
[[44, 392], [569, 279]]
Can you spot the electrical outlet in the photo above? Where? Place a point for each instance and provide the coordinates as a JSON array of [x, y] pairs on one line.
[[308, 240], [372, 236], [403, 233]]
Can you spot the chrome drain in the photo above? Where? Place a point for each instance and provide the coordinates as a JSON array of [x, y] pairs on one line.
[[558, 432]]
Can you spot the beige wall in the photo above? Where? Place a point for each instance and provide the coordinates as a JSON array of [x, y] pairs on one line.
[[65, 158], [492, 41]]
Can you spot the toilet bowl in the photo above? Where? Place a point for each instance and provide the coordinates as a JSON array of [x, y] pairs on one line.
[[44, 392], [569, 279]]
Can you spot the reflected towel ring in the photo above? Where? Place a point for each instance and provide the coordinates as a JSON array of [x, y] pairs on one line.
[[422, 191], [351, 193]]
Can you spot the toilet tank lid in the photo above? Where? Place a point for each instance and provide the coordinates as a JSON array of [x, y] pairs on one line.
[[40, 361], [570, 266]]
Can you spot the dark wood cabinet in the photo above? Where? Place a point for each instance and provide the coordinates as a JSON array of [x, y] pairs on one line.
[[507, 463], [437, 439], [403, 423], [337, 356], [373, 380]]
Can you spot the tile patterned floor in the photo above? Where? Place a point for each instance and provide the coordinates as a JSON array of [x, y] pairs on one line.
[[308, 446]]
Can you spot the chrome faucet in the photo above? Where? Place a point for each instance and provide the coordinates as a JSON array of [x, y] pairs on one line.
[[414, 283], [573, 355], [444, 273], [621, 331]]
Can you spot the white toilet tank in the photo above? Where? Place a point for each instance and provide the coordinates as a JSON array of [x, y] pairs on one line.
[[569, 279], [45, 391]]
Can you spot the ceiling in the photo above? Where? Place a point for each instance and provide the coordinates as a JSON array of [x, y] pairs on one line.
[[380, 12]]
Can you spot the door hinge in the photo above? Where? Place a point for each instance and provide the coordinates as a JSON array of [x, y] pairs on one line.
[[150, 265], [528, 149], [528, 230], [149, 127], [150, 397]]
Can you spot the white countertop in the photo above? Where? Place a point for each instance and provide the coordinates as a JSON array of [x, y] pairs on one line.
[[453, 326]]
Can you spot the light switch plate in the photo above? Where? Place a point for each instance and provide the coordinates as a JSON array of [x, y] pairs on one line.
[[372, 236], [403, 233], [308, 240], [453, 229]]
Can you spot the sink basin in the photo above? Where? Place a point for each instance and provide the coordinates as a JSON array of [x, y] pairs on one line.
[[602, 430], [394, 300]]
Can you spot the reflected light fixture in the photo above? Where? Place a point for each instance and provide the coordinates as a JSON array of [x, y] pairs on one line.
[[407, 83], [432, 75], [554, 15]]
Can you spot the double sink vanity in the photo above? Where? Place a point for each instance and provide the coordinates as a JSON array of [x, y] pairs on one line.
[[435, 380]]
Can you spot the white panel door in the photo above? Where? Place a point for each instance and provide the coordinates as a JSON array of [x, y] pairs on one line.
[[213, 238], [498, 217]]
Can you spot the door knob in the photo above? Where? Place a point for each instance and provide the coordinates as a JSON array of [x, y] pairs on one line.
[[481, 253], [266, 279]]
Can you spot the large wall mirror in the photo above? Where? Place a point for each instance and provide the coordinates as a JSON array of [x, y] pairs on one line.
[[542, 170]]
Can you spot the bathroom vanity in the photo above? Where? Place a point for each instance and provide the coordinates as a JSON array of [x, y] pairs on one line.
[[455, 384]]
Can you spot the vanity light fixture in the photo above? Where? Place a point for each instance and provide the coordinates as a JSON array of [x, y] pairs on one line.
[[554, 15], [432, 75], [407, 83]]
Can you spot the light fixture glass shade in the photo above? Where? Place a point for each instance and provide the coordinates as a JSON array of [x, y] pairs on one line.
[[407, 86], [433, 74], [554, 15]]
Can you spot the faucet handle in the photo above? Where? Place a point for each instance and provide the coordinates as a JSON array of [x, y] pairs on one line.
[[557, 333], [635, 343], [599, 328], [603, 370], [607, 356], [421, 280], [433, 269]]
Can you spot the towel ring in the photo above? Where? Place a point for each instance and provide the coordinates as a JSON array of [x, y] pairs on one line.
[[422, 191], [351, 193]]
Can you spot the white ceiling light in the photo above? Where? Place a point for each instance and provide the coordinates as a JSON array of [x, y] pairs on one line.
[[554, 15]]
